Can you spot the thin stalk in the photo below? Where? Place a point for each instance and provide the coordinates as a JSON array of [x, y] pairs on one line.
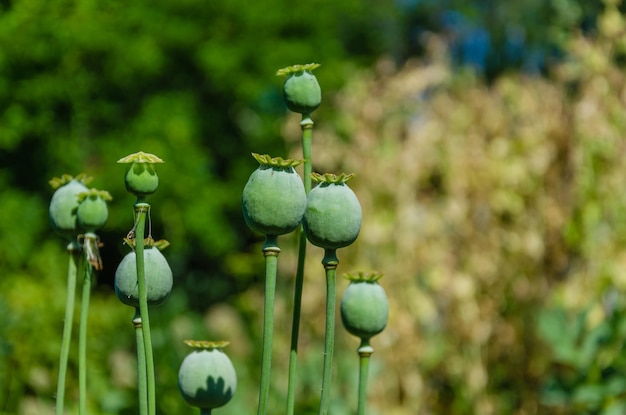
[[73, 249], [307, 133], [270, 251], [82, 339], [141, 210], [205, 411], [307, 136], [142, 382], [365, 351], [330, 263]]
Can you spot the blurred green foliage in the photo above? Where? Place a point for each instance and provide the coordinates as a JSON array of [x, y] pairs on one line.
[[495, 211], [83, 84]]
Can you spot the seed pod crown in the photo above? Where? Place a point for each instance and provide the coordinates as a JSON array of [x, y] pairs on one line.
[[141, 178], [274, 199], [301, 91]]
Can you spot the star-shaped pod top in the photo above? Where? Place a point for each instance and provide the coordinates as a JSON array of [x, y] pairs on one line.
[[141, 178], [301, 91], [64, 203]]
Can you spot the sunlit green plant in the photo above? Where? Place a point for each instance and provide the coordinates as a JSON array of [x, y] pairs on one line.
[[332, 220], [77, 213], [62, 213], [91, 214], [276, 201], [302, 94], [273, 203], [141, 180], [364, 313]]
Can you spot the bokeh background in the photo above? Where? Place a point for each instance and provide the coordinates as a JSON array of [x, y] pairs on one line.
[[487, 140]]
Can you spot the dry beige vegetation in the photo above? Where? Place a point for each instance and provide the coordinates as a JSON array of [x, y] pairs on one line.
[[483, 205]]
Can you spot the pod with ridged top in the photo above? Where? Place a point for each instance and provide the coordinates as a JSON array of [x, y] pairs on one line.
[[273, 199], [141, 178], [333, 214], [364, 306], [64, 204], [92, 212], [301, 91]]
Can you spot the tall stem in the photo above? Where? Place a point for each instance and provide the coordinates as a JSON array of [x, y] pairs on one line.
[[330, 263], [142, 383], [73, 249], [365, 351], [270, 251], [307, 133], [141, 211], [82, 339]]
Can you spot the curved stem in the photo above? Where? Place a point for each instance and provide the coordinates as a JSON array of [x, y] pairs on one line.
[[141, 210], [330, 263], [365, 351], [73, 249], [307, 132], [82, 339], [270, 251], [142, 383]]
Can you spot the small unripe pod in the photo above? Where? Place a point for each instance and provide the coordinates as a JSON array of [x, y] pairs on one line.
[[333, 214], [364, 306], [64, 204], [159, 278], [92, 212], [207, 378], [301, 91], [274, 198], [141, 178]]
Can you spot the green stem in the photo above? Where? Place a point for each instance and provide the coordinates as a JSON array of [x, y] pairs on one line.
[[307, 132], [142, 382], [270, 251], [73, 248], [365, 351], [205, 411], [141, 210], [330, 263], [307, 138], [82, 339]]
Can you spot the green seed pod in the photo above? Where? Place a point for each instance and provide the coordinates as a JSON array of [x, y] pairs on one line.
[[274, 199], [159, 278], [64, 204], [92, 212], [364, 306], [206, 377], [141, 178], [333, 215], [301, 91]]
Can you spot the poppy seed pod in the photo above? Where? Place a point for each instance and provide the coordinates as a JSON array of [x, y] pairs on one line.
[[159, 278], [141, 178], [364, 306], [301, 91], [274, 199], [333, 214], [92, 212], [64, 204], [207, 378]]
